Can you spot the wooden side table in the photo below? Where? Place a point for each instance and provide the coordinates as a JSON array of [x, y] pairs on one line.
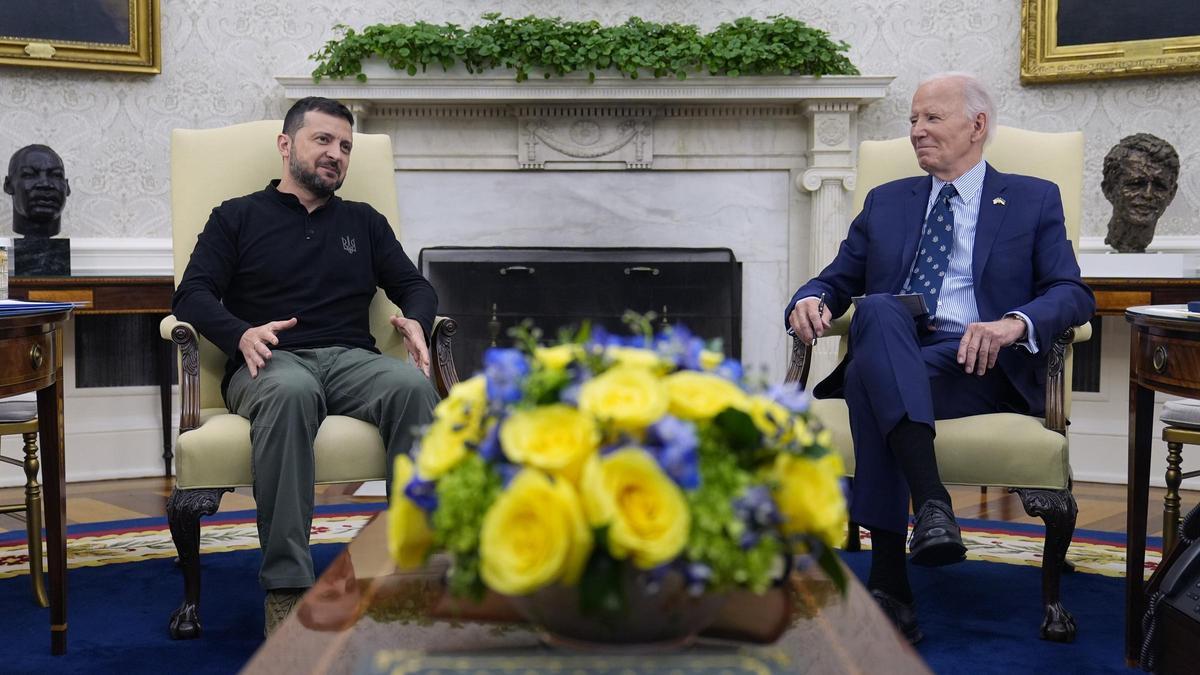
[[31, 359], [1164, 355], [115, 295]]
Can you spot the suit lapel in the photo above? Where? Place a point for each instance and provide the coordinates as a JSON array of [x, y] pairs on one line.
[[991, 217], [913, 221]]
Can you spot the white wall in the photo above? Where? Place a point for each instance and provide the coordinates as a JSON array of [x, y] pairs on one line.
[[220, 58]]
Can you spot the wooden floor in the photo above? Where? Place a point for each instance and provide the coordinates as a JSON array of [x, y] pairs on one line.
[[1101, 506]]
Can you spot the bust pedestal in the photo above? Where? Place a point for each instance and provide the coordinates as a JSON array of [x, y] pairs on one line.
[[41, 257]]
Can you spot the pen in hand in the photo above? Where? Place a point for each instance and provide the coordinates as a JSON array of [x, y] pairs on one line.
[[820, 315]]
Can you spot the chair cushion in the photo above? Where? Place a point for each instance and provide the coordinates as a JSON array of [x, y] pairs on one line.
[[1003, 449], [1182, 413], [17, 411], [217, 453]]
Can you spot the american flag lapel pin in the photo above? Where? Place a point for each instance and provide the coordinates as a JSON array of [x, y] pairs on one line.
[[999, 200]]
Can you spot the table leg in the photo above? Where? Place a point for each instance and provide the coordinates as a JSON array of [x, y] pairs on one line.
[[50, 427], [1141, 419], [166, 369]]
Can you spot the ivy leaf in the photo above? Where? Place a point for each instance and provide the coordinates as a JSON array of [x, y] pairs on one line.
[[739, 429], [829, 563], [600, 586]]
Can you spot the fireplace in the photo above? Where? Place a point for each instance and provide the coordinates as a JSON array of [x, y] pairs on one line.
[[491, 289], [760, 166]]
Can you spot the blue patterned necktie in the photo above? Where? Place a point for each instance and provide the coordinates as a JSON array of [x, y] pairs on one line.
[[933, 256]]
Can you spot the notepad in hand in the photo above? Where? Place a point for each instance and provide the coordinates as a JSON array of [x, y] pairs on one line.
[[913, 302]]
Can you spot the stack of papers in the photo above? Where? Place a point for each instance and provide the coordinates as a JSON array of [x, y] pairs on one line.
[[17, 307]]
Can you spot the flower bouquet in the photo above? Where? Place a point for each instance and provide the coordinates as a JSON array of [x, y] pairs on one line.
[[616, 488]]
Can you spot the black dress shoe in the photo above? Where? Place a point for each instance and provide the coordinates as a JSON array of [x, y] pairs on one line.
[[936, 539], [902, 614]]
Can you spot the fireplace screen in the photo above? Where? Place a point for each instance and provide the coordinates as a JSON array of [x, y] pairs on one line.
[[489, 290]]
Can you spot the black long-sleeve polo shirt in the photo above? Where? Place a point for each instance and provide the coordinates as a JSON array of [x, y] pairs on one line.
[[264, 257]]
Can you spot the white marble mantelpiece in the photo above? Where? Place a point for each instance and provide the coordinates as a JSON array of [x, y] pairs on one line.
[[761, 165]]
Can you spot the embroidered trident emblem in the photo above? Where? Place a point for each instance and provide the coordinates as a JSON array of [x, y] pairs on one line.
[[348, 244]]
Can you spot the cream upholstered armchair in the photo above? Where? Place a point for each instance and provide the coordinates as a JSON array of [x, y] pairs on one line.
[[212, 453], [1027, 454]]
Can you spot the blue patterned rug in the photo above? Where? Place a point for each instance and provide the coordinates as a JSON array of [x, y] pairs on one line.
[[979, 617]]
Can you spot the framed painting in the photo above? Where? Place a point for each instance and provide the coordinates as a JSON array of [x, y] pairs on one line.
[[1065, 40], [116, 35]]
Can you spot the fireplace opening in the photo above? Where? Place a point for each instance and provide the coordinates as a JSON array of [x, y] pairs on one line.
[[491, 289]]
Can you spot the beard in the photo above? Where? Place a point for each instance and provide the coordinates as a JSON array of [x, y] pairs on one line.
[[312, 180]]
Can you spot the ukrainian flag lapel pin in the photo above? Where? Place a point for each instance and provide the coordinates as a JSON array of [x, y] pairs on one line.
[[999, 200]]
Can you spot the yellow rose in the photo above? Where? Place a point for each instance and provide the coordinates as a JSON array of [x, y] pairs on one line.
[[645, 511], [635, 357], [557, 357], [534, 535], [464, 408], [809, 495], [442, 448], [555, 438], [701, 396], [628, 397], [772, 419], [409, 537], [709, 360]]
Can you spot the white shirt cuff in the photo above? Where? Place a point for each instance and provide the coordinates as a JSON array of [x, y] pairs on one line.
[[1029, 342]]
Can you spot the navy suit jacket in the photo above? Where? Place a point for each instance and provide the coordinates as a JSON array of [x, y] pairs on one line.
[[1022, 261]]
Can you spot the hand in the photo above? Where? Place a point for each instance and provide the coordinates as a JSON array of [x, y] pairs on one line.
[[981, 344], [807, 322], [253, 343], [414, 340]]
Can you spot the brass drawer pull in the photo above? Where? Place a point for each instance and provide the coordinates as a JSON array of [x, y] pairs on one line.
[[35, 357], [1159, 361]]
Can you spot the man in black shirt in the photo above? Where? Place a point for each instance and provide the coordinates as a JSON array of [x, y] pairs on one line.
[[282, 280]]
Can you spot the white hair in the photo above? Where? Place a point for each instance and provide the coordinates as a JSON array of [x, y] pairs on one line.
[[976, 98]]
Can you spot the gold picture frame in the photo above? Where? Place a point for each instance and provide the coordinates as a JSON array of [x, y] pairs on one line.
[[113, 35], [1043, 59]]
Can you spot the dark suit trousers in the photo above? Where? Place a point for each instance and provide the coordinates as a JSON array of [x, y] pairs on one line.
[[899, 369]]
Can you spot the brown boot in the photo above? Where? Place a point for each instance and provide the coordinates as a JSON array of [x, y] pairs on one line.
[[279, 604]]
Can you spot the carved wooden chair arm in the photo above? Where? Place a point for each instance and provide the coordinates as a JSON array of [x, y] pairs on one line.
[[801, 359], [183, 334], [1056, 384], [441, 357]]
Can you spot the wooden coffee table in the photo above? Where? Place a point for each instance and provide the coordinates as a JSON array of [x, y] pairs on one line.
[[364, 616]]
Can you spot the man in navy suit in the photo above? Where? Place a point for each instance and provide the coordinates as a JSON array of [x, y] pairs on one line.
[[989, 254]]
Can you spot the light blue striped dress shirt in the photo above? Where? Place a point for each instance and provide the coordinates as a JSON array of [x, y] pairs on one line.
[[956, 307]]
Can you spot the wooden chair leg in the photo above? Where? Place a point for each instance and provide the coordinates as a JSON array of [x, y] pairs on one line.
[[33, 518], [1057, 508], [185, 508], [1171, 501]]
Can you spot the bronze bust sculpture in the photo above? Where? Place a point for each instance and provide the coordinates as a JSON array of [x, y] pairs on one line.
[[1141, 175], [39, 190]]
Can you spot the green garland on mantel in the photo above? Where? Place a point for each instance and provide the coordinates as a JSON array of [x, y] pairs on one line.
[[778, 46]]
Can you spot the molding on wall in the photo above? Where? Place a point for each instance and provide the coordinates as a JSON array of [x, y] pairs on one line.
[[384, 85]]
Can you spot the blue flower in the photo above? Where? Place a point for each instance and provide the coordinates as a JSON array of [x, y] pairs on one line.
[[508, 471], [681, 347], [423, 493], [731, 370], [757, 508], [673, 443], [489, 447], [504, 370], [696, 576], [790, 396]]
